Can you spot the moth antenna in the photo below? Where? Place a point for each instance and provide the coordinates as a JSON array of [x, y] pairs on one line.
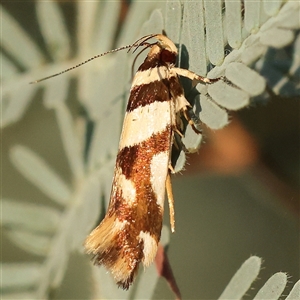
[[83, 63], [142, 41]]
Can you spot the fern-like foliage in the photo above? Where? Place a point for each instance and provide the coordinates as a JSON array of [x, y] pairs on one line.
[[205, 29]]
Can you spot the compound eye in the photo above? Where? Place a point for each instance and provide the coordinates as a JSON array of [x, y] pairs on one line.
[[167, 56]]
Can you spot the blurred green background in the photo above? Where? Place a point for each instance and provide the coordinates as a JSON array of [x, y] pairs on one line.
[[238, 197]]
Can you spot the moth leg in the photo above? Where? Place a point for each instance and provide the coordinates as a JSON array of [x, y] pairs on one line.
[[191, 122], [170, 201], [176, 145], [175, 142], [178, 132], [171, 169], [175, 129], [193, 76]]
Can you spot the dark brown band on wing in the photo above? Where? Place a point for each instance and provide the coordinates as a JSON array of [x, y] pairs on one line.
[[146, 94], [159, 90], [158, 57], [152, 60], [134, 161]]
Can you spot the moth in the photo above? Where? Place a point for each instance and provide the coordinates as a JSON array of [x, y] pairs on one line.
[[130, 231]]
